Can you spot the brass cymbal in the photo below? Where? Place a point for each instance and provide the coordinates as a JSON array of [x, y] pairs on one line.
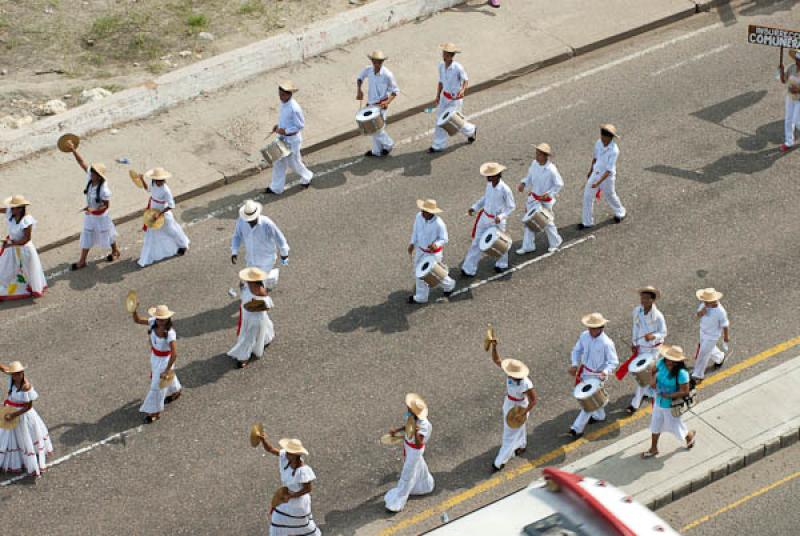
[[489, 337], [138, 179], [516, 417], [255, 434], [280, 496], [153, 219], [410, 427], [164, 382], [8, 425], [391, 439], [255, 306], [131, 301], [63, 142]]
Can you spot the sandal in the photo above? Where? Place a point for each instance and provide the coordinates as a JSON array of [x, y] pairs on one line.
[[151, 419], [74, 267], [690, 443], [649, 454], [172, 398]]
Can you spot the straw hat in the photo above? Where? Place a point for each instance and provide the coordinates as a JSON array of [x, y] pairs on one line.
[[544, 147], [252, 274], [161, 312], [251, 210], [490, 169], [292, 446], [594, 320], [611, 129], [14, 366], [99, 168], [672, 352], [16, 201], [417, 405], [158, 174], [793, 53], [450, 47], [708, 294], [377, 55], [428, 205], [651, 289], [514, 368], [288, 85]]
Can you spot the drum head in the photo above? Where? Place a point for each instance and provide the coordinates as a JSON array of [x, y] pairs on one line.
[[531, 212], [425, 265], [587, 388], [367, 113], [488, 238], [640, 363]]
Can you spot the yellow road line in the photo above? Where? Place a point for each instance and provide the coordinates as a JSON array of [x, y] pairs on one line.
[[738, 503], [530, 465]]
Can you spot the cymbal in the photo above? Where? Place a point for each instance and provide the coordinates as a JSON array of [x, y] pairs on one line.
[[153, 218], [164, 382], [8, 425], [255, 434], [131, 301], [279, 497], [255, 306], [410, 428], [137, 178], [490, 336], [516, 417], [391, 439], [62, 142]]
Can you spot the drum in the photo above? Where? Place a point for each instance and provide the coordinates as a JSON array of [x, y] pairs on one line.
[[537, 218], [495, 243], [430, 270], [642, 369], [370, 120], [275, 151], [591, 394], [452, 121]]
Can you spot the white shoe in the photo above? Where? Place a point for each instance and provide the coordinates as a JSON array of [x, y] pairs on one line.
[[551, 250], [523, 251]]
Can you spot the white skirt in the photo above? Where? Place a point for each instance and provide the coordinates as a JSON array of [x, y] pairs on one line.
[[26, 446], [664, 421], [415, 479], [255, 333], [21, 279], [164, 242], [293, 518], [154, 401], [98, 231]]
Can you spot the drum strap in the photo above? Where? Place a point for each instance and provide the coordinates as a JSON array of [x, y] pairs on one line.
[[481, 212], [623, 370], [545, 198], [580, 373]]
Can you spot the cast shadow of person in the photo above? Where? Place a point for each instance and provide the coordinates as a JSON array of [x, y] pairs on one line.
[[122, 418]]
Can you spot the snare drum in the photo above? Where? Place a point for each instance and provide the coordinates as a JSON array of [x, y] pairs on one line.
[[275, 151], [431, 270], [537, 218], [642, 369], [452, 121], [495, 243], [591, 394], [370, 120]]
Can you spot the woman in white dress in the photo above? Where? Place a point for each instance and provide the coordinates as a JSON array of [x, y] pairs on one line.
[[98, 228], [21, 274], [168, 240], [415, 478], [163, 353], [519, 393], [27, 445], [255, 329], [292, 516]]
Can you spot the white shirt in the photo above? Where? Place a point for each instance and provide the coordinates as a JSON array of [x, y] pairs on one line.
[[427, 232], [161, 197], [452, 78], [652, 322], [543, 179], [162, 345], [260, 240], [517, 389], [598, 354], [291, 117], [91, 195], [712, 323], [497, 200], [606, 158], [17, 230], [294, 480], [381, 85]]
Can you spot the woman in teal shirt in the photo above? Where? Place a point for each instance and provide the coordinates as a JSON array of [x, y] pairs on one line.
[[671, 382]]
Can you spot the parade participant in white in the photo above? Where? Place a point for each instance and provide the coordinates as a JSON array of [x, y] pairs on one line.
[[98, 228], [452, 87], [594, 356], [382, 90], [519, 393], [493, 210], [602, 177], [649, 332], [254, 330], [21, 274], [415, 479], [714, 324], [26, 445], [292, 517], [291, 122], [169, 239], [791, 77], [543, 182], [671, 383], [428, 237], [163, 354], [261, 237]]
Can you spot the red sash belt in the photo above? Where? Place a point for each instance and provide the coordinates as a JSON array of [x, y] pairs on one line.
[[544, 198], [97, 212], [515, 399], [14, 404], [159, 353], [414, 445], [434, 250], [481, 212], [450, 96], [623, 370], [580, 373]]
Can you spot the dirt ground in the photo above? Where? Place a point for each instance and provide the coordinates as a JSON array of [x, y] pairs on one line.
[[54, 49]]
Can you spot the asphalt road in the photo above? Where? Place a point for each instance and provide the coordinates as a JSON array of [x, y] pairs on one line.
[[712, 202]]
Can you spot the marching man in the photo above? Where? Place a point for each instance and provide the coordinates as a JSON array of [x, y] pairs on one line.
[[602, 177], [713, 324], [261, 239], [428, 238], [493, 210], [291, 122], [544, 182], [168, 240], [791, 77], [453, 82], [381, 92], [594, 356]]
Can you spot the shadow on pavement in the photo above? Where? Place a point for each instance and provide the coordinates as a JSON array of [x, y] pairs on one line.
[[202, 372], [102, 272], [387, 317], [221, 318], [87, 432]]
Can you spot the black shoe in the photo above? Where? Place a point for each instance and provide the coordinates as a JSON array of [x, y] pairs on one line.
[[448, 293], [431, 150], [474, 136], [385, 152], [181, 252], [574, 434], [592, 420], [465, 274], [618, 219], [500, 270], [411, 300], [581, 227], [631, 410], [496, 469], [172, 398], [305, 186], [268, 190], [150, 419], [719, 365], [369, 154], [519, 451]]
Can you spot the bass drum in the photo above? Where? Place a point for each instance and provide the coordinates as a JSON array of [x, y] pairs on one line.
[[591, 395]]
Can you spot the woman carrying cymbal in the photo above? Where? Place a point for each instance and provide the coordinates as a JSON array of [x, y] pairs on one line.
[[254, 330]]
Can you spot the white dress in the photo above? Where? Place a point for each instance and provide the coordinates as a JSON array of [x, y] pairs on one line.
[[28, 444], [415, 478], [164, 242], [98, 229], [513, 438], [293, 518], [21, 274], [159, 358], [255, 329]]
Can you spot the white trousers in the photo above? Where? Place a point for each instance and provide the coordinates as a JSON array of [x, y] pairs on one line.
[[513, 438], [609, 193], [583, 419], [554, 240], [294, 161], [415, 479], [664, 421], [706, 350], [470, 264], [791, 120], [440, 135], [422, 288], [648, 391], [381, 140]]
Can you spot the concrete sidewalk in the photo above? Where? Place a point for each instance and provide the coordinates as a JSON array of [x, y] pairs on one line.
[[213, 139]]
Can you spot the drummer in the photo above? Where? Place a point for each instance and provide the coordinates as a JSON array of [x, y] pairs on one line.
[[452, 87], [261, 238], [594, 356], [602, 177], [428, 238], [544, 182], [291, 122], [493, 210], [381, 92], [169, 239], [519, 393], [714, 324], [649, 332]]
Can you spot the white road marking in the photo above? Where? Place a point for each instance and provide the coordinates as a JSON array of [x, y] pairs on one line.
[[693, 59], [547, 115]]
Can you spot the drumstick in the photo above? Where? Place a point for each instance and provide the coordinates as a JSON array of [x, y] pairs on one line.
[[269, 135]]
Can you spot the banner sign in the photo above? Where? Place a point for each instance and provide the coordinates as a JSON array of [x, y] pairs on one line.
[[773, 37]]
